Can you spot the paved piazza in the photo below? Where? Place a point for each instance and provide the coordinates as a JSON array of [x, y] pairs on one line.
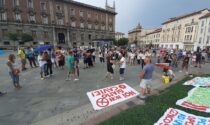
[[42, 99]]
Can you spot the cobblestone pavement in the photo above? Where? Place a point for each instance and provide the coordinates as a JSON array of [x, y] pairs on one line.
[[39, 100]]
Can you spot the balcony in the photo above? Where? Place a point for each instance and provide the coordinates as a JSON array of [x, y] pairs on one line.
[[73, 18], [32, 21], [96, 22], [31, 11], [2, 9], [59, 14], [18, 21], [44, 13], [17, 9]]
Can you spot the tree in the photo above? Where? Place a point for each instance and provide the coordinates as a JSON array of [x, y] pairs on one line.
[[13, 37], [115, 42], [26, 37], [122, 41]]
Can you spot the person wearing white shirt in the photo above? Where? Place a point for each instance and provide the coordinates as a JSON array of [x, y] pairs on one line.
[[132, 56], [42, 64], [122, 66]]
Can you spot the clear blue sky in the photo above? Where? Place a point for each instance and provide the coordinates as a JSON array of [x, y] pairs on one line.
[[150, 13]]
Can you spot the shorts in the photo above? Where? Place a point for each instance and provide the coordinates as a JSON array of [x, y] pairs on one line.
[[145, 83], [23, 61], [122, 71], [109, 68], [60, 63], [43, 68]]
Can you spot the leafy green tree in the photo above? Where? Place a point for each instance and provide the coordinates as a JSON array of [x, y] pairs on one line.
[[25, 37], [115, 42], [14, 38], [122, 41]]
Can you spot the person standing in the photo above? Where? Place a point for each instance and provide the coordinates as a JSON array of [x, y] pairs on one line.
[[49, 70], [185, 64], [42, 65], [76, 69], [101, 57], [122, 66], [142, 56], [70, 65], [53, 57], [22, 55], [94, 56], [13, 71], [31, 58], [198, 59], [146, 78], [110, 70]]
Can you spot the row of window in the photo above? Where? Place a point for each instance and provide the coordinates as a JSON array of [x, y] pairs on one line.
[[19, 32], [59, 21], [203, 23], [188, 37], [58, 7], [189, 29], [207, 40], [29, 3]]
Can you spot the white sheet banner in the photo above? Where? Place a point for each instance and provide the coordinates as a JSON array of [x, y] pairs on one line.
[[106, 97], [197, 99], [199, 82], [178, 117]]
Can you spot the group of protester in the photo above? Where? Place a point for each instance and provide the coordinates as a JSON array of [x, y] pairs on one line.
[[61, 58]]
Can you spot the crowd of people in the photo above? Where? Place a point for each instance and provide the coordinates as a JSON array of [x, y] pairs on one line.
[[70, 59]]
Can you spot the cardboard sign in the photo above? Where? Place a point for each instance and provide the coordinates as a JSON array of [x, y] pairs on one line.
[[178, 117], [106, 97], [198, 99], [199, 82]]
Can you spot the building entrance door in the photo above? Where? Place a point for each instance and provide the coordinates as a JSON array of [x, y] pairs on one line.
[[61, 38]]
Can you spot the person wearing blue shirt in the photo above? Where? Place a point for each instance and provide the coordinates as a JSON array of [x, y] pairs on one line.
[[30, 56], [146, 77]]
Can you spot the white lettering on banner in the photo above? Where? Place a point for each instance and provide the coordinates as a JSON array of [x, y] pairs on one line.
[[111, 95], [178, 117]]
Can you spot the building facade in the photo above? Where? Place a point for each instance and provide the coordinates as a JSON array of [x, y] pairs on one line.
[[181, 32], [137, 35], [203, 40], [119, 35], [64, 23], [152, 39]]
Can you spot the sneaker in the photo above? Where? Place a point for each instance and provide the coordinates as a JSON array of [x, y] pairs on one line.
[[42, 78], [180, 71], [76, 79], [2, 93], [142, 97], [67, 79]]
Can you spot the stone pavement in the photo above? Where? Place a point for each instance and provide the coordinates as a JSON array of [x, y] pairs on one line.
[[57, 102]]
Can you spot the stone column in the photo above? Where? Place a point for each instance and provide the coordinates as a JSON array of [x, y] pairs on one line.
[[54, 37]]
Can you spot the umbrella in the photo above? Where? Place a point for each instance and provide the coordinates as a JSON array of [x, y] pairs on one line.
[[43, 48], [2, 52]]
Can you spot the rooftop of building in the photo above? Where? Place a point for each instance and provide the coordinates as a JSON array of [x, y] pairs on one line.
[[88, 6], [184, 16], [155, 31], [119, 33], [205, 16]]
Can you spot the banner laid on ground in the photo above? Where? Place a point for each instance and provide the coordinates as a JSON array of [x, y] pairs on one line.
[[178, 117], [106, 97], [199, 82], [198, 99]]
